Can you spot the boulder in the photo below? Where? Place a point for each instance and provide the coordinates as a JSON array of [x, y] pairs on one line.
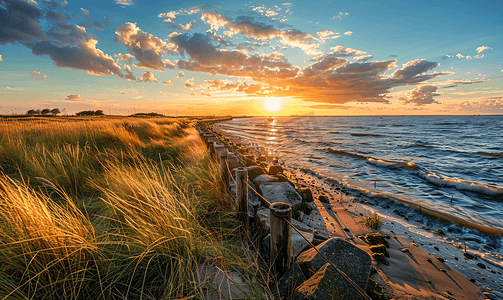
[[282, 178], [289, 281], [327, 284], [274, 170], [254, 171], [263, 179], [306, 194], [379, 257], [351, 260], [379, 249], [281, 192], [232, 161], [376, 238], [249, 160], [253, 200], [264, 218]]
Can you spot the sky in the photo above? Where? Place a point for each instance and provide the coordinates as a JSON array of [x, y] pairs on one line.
[[252, 58]]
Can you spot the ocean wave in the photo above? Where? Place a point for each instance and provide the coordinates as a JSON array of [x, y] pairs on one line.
[[422, 145], [497, 154], [376, 161], [366, 134], [462, 185], [395, 164]]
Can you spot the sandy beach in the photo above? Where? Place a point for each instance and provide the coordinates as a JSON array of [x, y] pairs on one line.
[[419, 267]]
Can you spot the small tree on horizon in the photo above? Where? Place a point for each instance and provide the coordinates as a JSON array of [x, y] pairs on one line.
[[33, 112], [45, 111], [55, 111]]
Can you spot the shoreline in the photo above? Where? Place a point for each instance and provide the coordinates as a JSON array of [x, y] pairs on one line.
[[338, 217]]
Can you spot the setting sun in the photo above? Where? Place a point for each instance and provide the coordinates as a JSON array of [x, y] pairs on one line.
[[272, 103]]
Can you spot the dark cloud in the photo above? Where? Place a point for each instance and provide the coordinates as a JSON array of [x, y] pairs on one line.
[[83, 57], [20, 22], [107, 21]]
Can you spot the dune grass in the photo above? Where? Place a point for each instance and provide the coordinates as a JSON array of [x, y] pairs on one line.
[[109, 208]]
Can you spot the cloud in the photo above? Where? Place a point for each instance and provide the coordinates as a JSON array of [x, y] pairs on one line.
[[37, 75], [129, 74], [484, 105], [147, 49], [171, 15], [73, 97], [419, 96], [1, 59], [188, 26], [148, 77], [482, 48], [349, 33], [363, 58], [413, 68], [170, 24], [189, 83], [324, 33], [168, 82], [83, 57], [20, 22], [107, 21], [85, 12], [180, 74], [123, 93], [125, 57], [124, 2], [340, 16], [259, 31]]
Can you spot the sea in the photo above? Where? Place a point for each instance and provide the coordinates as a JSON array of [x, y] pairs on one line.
[[449, 164]]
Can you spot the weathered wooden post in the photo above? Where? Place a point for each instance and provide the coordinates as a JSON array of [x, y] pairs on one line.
[[281, 242], [224, 170], [242, 195]]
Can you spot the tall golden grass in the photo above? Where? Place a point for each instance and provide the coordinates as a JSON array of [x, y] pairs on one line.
[[109, 208]]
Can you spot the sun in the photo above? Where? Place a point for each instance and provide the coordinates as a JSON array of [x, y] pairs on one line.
[[272, 104]]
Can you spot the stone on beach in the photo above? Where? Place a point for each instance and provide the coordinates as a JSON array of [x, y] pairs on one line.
[[306, 194], [353, 261], [274, 170], [376, 238], [254, 171], [281, 192], [263, 179]]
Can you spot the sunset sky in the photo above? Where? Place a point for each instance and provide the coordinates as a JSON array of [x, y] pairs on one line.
[[252, 58]]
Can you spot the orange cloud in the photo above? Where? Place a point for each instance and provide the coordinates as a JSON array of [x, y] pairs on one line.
[[148, 77]]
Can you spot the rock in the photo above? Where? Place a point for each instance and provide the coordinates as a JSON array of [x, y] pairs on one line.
[[379, 257], [263, 179], [230, 285], [472, 280], [374, 291], [299, 244], [405, 250], [282, 178], [254, 171], [468, 255], [440, 231], [262, 158], [306, 194], [481, 265], [379, 249], [281, 192], [436, 248], [274, 170], [440, 258], [264, 218], [253, 200], [249, 160], [490, 295], [376, 238], [351, 260], [327, 284], [415, 245], [290, 280], [324, 199], [232, 161]]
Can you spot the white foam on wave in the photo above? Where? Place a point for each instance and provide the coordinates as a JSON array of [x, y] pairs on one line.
[[460, 184]]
